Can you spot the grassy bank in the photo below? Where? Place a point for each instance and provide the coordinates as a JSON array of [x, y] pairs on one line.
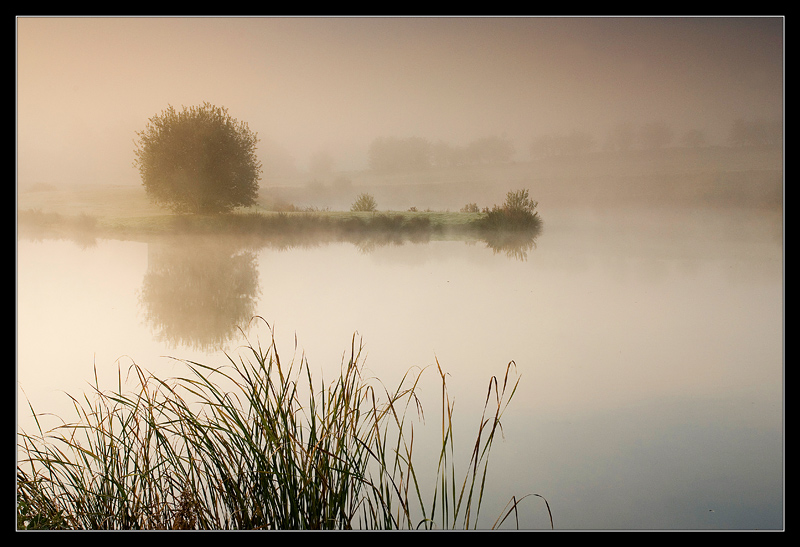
[[516, 216], [257, 444], [319, 225]]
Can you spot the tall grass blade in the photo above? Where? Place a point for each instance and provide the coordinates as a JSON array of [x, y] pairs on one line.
[[254, 444]]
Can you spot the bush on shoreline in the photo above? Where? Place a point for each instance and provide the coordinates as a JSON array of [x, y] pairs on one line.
[[518, 213]]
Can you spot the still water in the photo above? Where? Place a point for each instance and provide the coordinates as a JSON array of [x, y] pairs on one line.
[[649, 346]]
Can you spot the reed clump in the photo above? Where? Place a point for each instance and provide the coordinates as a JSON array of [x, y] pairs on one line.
[[255, 444], [517, 214]]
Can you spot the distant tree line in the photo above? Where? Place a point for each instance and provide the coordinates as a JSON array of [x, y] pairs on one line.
[[557, 144], [649, 136], [485, 150], [413, 153], [396, 154], [653, 135], [399, 154], [756, 133]]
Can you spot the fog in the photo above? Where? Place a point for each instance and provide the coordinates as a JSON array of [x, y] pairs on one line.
[[645, 319], [333, 85]]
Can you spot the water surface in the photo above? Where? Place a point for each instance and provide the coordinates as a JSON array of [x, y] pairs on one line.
[[649, 344]]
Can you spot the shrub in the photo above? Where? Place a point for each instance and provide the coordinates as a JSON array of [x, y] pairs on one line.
[[518, 200], [517, 213], [364, 203], [470, 208]]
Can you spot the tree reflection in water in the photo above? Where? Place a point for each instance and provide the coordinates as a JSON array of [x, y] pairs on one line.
[[514, 245], [196, 291]]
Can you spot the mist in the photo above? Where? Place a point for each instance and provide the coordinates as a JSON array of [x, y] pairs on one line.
[[311, 86], [594, 202]]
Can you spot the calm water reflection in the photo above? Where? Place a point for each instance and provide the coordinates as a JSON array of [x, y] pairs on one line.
[[196, 292], [650, 346]]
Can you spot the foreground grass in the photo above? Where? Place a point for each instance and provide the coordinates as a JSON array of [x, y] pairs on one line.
[[257, 444]]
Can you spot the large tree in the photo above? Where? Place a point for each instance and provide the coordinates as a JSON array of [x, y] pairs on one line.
[[198, 160]]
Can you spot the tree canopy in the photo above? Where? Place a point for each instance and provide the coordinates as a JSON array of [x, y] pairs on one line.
[[198, 160]]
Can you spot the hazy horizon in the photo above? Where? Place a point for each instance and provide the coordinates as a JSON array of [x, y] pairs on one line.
[[333, 85], [642, 309]]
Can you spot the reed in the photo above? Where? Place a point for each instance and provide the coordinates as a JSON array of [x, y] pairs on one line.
[[254, 444], [517, 214]]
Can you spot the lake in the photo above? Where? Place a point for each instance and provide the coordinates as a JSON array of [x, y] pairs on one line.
[[649, 345]]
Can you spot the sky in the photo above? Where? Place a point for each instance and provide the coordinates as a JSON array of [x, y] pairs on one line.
[[85, 86]]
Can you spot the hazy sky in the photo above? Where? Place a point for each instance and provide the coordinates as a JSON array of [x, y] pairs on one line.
[[86, 85]]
